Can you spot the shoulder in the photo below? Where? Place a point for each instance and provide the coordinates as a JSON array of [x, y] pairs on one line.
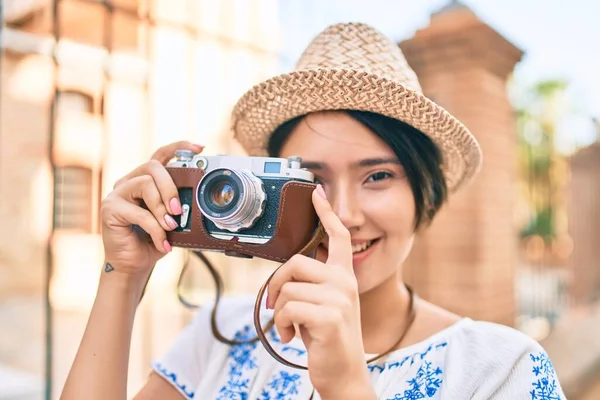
[[228, 307], [189, 358], [232, 306], [232, 312], [483, 339], [492, 345], [474, 360], [498, 360]]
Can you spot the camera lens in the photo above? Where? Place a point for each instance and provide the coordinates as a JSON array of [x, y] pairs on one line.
[[221, 194], [231, 199]]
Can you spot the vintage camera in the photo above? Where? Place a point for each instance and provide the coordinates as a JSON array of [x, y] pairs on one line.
[[244, 206]]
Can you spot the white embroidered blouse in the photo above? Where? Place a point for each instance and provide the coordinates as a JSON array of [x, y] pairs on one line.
[[469, 360]]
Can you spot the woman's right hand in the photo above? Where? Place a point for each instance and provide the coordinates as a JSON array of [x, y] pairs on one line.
[[145, 197], [127, 250]]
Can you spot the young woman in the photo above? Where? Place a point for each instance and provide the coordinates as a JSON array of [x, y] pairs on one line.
[[385, 158]]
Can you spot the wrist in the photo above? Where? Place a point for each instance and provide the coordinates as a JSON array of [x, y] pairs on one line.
[[360, 388], [112, 278], [367, 393]]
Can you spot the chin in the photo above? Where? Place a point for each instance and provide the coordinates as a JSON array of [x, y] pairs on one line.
[[368, 277]]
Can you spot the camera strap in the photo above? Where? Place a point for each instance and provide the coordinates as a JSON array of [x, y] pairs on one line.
[[309, 251], [263, 339], [310, 248]]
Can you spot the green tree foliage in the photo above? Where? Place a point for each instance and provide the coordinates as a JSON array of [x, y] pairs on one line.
[[539, 111]]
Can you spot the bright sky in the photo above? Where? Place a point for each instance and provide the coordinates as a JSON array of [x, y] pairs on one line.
[[561, 39]]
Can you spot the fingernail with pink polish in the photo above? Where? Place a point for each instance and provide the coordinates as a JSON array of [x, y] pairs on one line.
[[170, 221], [167, 246], [175, 206], [321, 191]]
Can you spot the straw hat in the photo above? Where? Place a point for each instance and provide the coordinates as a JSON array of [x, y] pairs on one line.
[[353, 66]]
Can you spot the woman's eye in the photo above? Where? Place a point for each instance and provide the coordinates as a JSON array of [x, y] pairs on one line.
[[378, 176]]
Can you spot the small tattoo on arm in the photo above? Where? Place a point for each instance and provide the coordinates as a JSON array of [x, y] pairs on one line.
[[108, 268]]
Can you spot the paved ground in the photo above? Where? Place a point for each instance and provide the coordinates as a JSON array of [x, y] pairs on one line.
[[575, 350]]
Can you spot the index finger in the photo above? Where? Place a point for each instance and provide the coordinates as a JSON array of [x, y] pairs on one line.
[[297, 269], [166, 153], [162, 180], [340, 246]]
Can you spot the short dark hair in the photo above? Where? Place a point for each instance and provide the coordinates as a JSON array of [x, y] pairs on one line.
[[419, 155]]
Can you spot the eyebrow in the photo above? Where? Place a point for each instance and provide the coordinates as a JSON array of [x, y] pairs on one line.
[[368, 162]]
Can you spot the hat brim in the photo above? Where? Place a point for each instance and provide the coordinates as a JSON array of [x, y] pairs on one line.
[[276, 100]]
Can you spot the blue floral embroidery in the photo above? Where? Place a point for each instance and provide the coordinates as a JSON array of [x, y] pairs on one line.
[[281, 386], [427, 380], [425, 383], [173, 378], [241, 359], [412, 358], [545, 387]]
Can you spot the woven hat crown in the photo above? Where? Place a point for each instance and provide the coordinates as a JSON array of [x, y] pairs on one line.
[[358, 47], [353, 66]]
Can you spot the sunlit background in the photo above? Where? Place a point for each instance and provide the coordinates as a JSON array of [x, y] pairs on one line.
[[89, 90]]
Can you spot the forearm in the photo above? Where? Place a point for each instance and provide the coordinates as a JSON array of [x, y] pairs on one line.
[[100, 367]]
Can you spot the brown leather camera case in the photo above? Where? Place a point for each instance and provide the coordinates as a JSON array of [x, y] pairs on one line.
[[297, 229]]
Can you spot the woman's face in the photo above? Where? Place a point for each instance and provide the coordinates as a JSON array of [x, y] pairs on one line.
[[366, 187]]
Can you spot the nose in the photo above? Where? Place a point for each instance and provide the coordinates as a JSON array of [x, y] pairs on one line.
[[347, 206]]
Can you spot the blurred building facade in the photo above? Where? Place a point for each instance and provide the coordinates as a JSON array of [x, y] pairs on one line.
[[89, 91], [81, 111], [584, 201]]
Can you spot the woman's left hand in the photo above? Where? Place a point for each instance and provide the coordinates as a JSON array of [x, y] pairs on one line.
[[322, 300]]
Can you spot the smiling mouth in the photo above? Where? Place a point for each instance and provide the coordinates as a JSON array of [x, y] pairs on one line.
[[357, 248]]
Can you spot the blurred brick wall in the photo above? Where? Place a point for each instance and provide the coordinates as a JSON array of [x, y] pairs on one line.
[[466, 260], [584, 224]]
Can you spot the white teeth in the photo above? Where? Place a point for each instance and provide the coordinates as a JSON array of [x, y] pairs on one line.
[[357, 248]]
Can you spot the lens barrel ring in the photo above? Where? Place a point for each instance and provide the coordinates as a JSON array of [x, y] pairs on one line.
[[247, 202]]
